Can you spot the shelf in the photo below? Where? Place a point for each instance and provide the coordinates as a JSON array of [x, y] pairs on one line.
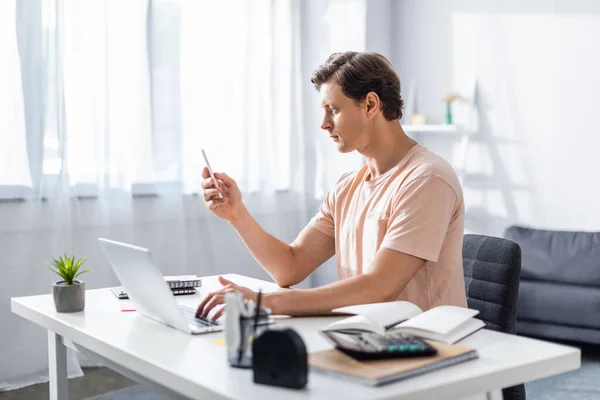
[[432, 128]]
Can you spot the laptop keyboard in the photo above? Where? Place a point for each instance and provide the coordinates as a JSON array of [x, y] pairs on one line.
[[188, 314]]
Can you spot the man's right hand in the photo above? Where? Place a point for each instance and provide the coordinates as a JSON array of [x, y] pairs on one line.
[[230, 207]]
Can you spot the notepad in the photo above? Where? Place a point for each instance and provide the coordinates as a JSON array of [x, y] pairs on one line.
[[127, 307], [381, 372]]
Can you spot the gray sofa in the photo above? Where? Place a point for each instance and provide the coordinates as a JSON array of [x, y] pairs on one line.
[[559, 292]]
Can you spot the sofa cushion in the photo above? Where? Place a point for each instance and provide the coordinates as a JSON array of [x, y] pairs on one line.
[[559, 304], [556, 331], [558, 256]]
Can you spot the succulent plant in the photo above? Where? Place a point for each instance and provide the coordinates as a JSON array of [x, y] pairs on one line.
[[67, 267]]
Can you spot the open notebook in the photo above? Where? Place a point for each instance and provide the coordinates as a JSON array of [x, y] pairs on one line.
[[380, 372], [447, 324]]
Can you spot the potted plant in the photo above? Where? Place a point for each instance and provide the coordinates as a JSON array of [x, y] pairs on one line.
[[69, 294]]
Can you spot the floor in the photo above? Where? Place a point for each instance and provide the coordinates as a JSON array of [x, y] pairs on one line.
[[582, 384], [95, 381]]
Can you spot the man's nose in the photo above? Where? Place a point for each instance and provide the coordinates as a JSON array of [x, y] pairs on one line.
[[326, 125]]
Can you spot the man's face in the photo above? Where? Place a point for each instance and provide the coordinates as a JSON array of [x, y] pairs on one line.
[[344, 119]]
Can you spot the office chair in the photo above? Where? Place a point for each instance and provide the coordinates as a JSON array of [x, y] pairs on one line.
[[492, 269]]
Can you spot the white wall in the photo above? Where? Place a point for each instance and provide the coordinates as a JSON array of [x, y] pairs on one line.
[[532, 160], [380, 29]]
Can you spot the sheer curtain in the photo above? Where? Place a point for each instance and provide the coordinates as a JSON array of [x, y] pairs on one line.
[[104, 106], [14, 170]]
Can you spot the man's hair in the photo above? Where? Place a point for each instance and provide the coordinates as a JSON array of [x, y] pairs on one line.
[[361, 73]]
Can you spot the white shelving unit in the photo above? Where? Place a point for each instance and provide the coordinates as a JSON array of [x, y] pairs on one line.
[[468, 123], [433, 128]]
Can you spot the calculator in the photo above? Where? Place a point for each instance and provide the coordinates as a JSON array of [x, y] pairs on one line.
[[369, 346]]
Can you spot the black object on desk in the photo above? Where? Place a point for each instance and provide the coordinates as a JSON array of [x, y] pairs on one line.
[[279, 359], [371, 346]]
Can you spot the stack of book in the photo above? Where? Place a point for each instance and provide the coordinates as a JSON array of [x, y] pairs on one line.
[[180, 284]]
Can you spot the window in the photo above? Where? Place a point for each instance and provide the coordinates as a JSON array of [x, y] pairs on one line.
[[132, 94], [14, 168]]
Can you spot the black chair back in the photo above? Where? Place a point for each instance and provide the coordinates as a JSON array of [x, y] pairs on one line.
[[492, 268]]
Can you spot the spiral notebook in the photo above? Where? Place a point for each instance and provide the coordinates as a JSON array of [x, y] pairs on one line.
[[180, 285], [183, 281]]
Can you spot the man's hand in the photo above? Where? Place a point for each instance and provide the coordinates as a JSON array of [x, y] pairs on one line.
[[217, 298], [230, 207]]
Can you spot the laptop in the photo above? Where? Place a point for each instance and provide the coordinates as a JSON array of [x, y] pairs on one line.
[[148, 290]]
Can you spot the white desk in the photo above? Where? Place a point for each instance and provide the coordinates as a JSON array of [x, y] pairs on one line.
[[195, 367]]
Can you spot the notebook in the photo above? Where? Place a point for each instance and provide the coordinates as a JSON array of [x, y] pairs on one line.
[[381, 372], [447, 324], [179, 284]]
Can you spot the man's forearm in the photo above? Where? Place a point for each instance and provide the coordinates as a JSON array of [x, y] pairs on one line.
[[275, 256], [357, 290]]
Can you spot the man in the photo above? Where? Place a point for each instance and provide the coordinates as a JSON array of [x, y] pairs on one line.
[[395, 225]]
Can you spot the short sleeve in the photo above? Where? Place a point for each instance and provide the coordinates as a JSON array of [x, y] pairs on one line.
[[421, 217], [323, 221]]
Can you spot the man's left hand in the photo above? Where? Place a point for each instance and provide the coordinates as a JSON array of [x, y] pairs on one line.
[[217, 298]]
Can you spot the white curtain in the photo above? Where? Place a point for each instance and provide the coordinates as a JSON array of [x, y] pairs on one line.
[[14, 170], [104, 106]]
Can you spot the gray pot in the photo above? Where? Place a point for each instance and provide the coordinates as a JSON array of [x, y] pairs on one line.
[[69, 298]]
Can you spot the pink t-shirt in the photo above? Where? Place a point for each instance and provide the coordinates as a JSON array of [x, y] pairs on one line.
[[417, 208]]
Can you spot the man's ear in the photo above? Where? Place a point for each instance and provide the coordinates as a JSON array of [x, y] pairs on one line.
[[372, 102]]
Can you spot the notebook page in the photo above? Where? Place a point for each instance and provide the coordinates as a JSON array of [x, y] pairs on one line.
[[359, 322], [383, 314], [465, 329], [442, 319]]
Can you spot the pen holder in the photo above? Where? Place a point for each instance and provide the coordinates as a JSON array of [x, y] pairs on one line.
[[241, 327]]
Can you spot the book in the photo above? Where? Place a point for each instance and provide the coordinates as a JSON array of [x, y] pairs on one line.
[[447, 324], [121, 294], [381, 372]]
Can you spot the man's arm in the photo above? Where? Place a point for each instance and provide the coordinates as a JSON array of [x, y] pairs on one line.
[[287, 264], [392, 270]]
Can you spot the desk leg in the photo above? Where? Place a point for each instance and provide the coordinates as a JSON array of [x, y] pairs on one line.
[[57, 365], [491, 395], [495, 395]]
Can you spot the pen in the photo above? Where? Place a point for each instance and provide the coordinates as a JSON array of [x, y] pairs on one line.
[[257, 311], [243, 315]]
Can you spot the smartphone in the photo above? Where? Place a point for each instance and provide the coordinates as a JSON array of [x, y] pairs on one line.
[[210, 171]]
